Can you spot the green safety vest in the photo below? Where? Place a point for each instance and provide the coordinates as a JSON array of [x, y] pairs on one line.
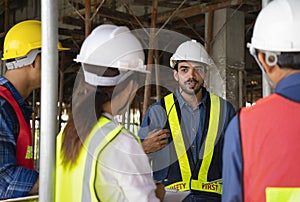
[[75, 182], [187, 182]]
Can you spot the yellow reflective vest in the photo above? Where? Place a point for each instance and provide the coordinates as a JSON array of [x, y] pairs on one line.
[[187, 182], [75, 182]]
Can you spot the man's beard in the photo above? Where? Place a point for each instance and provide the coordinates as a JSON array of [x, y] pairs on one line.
[[190, 91]]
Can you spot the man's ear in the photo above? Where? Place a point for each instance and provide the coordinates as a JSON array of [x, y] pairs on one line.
[[262, 59], [32, 65], [175, 75], [35, 61]]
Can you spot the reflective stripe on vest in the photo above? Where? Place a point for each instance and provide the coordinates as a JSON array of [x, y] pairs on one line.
[[279, 194], [24, 152], [76, 182], [270, 147], [187, 183]]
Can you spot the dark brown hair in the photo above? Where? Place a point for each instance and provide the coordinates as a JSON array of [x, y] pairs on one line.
[[87, 109]]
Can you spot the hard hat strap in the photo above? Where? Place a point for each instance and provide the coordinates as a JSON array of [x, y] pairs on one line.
[[96, 80], [23, 61], [253, 52]]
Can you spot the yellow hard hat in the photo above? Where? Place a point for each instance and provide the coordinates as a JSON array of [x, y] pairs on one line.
[[23, 38]]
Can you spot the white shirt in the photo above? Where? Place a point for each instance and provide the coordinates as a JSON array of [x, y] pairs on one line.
[[123, 171]]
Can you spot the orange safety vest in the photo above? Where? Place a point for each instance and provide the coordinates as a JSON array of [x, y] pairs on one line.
[[270, 136], [24, 154]]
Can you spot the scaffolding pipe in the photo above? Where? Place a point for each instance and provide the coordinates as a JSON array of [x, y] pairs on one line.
[[209, 31], [157, 74], [6, 16], [49, 90], [5, 28], [61, 90], [147, 92], [209, 18], [33, 114], [87, 19], [241, 104]]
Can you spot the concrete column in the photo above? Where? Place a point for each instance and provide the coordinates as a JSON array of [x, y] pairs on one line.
[[227, 51]]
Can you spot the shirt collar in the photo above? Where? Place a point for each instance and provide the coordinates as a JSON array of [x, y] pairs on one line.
[[289, 87], [107, 115], [22, 103], [111, 117], [6, 83], [182, 102]]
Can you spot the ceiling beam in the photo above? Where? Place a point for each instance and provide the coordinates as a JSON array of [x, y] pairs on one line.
[[166, 4], [199, 20], [197, 9], [112, 14]]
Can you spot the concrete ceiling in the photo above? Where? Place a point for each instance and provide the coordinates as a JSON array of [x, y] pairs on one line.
[[186, 17], [78, 17]]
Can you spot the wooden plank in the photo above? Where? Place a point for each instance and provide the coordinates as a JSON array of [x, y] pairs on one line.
[[71, 20], [87, 21], [166, 3], [197, 9], [111, 14], [147, 92], [198, 19]]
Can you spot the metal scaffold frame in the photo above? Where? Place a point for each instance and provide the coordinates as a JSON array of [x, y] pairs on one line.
[[49, 89]]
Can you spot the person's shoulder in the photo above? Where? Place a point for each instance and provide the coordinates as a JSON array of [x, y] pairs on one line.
[[222, 99], [8, 89], [2, 100], [157, 103], [166, 95], [4, 104], [213, 94], [260, 104], [124, 139], [228, 106], [127, 142]]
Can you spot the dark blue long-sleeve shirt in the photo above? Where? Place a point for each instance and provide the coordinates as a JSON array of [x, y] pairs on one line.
[[193, 126], [288, 87], [14, 181]]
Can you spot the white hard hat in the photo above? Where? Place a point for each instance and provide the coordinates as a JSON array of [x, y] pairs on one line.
[[277, 27], [190, 51], [111, 46]]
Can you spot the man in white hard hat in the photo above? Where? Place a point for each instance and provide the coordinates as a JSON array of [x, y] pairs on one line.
[[261, 151], [97, 158], [190, 158]]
